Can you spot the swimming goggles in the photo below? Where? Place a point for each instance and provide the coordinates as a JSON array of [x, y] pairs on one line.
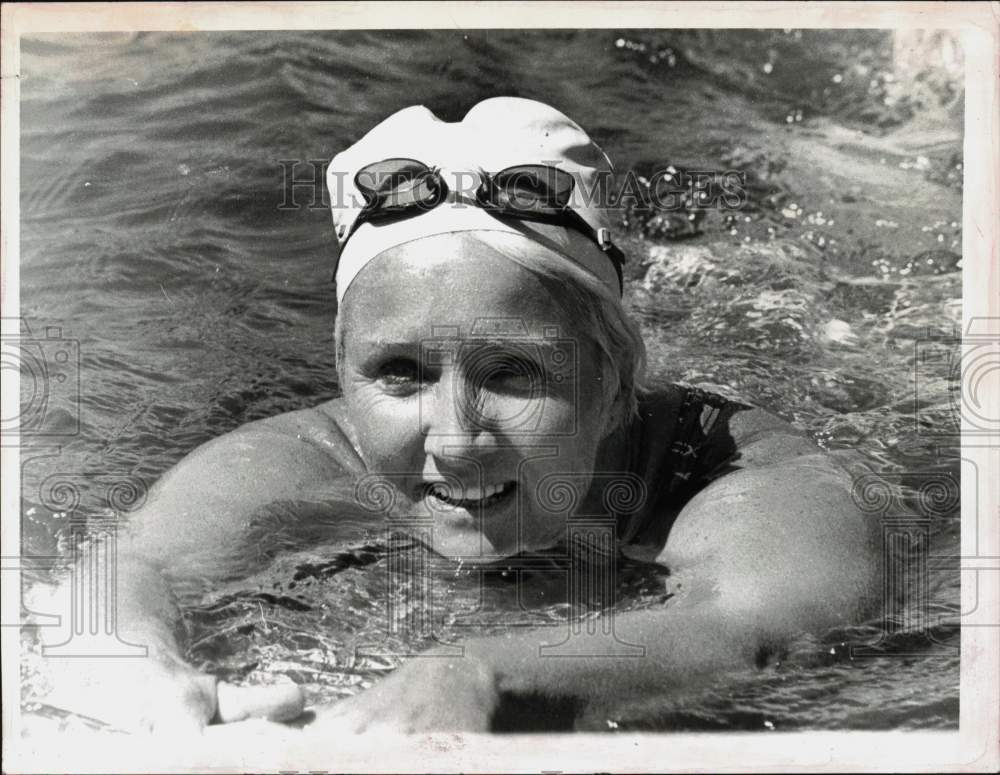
[[400, 188]]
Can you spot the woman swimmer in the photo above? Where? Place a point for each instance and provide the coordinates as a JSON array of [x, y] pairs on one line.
[[484, 352]]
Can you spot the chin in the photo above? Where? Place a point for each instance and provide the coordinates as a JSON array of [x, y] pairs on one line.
[[465, 543], [478, 536], [474, 547]]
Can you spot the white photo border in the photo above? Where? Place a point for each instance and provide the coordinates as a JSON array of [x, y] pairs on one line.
[[974, 747]]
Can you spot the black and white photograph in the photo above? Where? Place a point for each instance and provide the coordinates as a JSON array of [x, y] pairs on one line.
[[500, 387]]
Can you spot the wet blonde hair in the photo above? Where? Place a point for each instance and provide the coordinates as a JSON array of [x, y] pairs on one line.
[[584, 298]]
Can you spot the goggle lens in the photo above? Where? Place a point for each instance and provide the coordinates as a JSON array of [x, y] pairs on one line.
[[532, 188], [397, 184], [395, 187]]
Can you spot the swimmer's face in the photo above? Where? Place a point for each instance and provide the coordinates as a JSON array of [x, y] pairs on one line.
[[468, 387]]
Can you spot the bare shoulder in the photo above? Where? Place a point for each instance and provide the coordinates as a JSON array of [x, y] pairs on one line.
[[762, 438], [324, 427], [290, 448], [783, 541], [210, 496]]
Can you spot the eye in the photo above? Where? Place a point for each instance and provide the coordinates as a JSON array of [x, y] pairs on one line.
[[398, 374], [509, 373]]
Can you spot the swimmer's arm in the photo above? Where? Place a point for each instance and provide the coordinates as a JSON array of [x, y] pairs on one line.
[[763, 555], [758, 558], [190, 529], [196, 516], [205, 503]]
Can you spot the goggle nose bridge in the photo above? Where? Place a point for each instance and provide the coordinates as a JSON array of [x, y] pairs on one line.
[[463, 181], [486, 196]]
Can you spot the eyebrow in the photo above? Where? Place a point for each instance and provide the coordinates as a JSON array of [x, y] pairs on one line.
[[545, 343], [546, 346]]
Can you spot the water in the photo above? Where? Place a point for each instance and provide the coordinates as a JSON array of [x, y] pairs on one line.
[[152, 233]]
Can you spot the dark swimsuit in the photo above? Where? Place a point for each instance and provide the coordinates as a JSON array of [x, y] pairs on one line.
[[679, 443]]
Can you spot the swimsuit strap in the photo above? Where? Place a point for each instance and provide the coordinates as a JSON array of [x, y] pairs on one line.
[[701, 445], [681, 443]]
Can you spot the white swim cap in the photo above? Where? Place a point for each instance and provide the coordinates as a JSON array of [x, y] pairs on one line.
[[496, 135]]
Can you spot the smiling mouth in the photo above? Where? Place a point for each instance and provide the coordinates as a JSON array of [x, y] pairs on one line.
[[474, 497]]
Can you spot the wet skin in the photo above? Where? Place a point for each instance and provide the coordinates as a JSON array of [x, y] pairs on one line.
[[487, 418], [766, 553]]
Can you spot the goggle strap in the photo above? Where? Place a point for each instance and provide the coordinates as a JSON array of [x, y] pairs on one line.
[[485, 194]]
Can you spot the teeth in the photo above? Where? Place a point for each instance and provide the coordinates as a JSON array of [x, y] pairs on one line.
[[446, 491]]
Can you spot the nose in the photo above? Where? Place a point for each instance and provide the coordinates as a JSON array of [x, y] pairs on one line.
[[454, 421]]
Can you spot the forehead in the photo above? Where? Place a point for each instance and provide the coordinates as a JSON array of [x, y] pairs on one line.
[[451, 285]]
